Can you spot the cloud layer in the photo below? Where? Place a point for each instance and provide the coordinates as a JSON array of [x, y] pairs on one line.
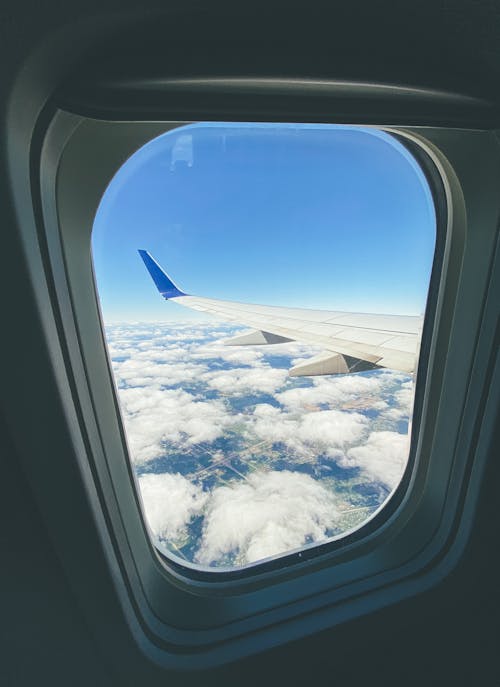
[[154, 416], [383, 457], [227, 446], [268, 513], [309, 433], [170, 502]]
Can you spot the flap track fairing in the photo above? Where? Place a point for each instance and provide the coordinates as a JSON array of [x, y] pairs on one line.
[[256, 338], [330, 364]]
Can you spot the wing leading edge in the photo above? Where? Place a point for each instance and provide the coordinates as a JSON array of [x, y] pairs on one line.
[[353, 341]]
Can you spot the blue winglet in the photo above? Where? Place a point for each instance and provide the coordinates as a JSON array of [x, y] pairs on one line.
[[164, 284]]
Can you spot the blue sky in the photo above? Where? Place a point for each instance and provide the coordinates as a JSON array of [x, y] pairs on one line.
[[339, 218]]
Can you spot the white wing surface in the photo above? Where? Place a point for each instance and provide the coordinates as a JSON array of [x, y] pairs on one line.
[[390, 341]]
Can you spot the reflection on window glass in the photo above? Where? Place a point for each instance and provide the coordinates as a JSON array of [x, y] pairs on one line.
[[264, 342]]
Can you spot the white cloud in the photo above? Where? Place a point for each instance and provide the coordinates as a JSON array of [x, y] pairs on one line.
[[403, 403], [404, 397], [137, 372], [229, 354], [324, 431], [332, 428], [246, 379], [159, 333], [383, 457], [170, 502], [154, 415], [268, 514], [365, 391]]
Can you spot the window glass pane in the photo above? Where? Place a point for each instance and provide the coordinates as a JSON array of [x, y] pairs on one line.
[[317, 242]]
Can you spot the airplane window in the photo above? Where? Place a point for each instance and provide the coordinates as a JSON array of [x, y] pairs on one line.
[[263, 288]]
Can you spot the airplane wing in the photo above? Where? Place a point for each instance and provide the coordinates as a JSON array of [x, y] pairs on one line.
[[352, 341]]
